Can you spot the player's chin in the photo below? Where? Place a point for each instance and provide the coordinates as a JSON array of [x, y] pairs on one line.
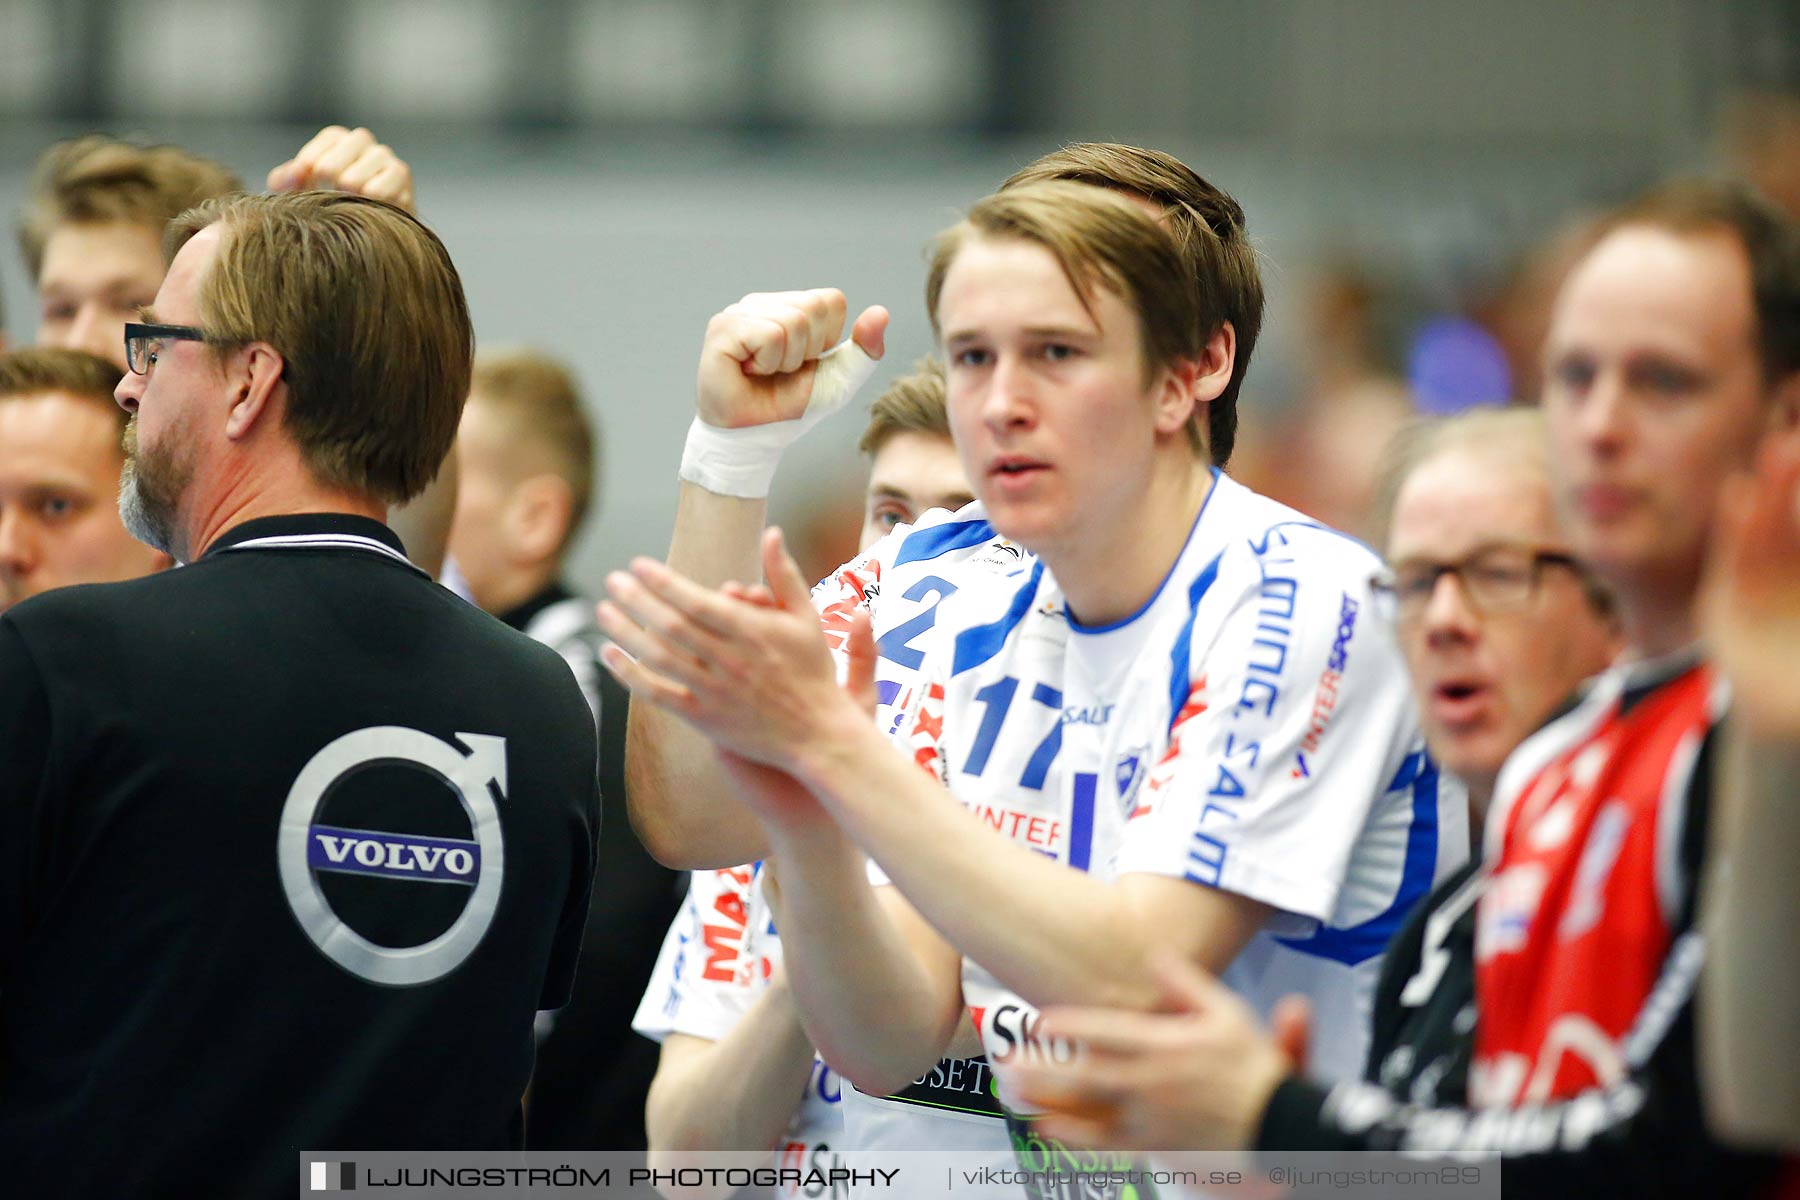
[[1027, 520]]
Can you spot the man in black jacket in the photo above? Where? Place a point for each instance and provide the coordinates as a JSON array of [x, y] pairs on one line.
[[293, 842]]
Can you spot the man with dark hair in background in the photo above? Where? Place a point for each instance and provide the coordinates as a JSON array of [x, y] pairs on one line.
[[527, 450], [293, 833]]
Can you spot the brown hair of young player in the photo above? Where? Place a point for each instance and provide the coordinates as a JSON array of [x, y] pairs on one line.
[[1099, 240], [1209, 230]]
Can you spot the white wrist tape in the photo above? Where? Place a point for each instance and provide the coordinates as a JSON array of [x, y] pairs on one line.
[[742, 462]]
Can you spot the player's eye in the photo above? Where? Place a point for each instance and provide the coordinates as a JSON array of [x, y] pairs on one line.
[[972, 356], [1666, 379], [1575, 374], [54, 508]]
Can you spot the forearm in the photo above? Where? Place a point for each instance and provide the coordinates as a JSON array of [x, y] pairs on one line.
[[738, 1093], [879, 1008], [1749, 1035], [683, 808], [1053, 934]]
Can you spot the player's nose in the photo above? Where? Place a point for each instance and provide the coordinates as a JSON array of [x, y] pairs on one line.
[[1009, 393]]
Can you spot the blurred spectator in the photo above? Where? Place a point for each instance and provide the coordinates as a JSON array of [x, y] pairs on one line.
[[59, 476], [1454, 363], [1319, 454], [93, 228], [1760, 140], [527, 451], [1519, 313], [1467, 501]]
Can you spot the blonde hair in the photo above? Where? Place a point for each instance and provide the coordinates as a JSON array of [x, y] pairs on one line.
[[97, 178], [913, 403], [1210, 232], [364, 305], [538, 397], [1099, 240]]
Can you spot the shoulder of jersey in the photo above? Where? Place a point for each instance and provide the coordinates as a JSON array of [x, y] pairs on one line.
[[945, 541], [1267, 528]]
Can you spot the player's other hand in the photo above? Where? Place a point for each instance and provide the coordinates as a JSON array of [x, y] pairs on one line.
[[748, 667], [1751, 601], [350, 160], [1194, 1075], [760, 361]]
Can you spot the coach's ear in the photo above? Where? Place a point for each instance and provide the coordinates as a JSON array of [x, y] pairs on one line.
[[254, 373]]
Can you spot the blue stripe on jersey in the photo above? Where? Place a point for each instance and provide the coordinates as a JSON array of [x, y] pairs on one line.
[[1184, 642], [1263, 543], [1081, 820], [1359, 943], [942, 539], [975, 646], [1207, 860]]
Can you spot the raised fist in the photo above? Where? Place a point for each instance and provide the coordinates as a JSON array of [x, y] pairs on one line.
[[350, 160], [769, 357]]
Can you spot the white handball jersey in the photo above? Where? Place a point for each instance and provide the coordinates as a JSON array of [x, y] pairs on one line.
[[1249, 729], [715, 962], [901, 580]]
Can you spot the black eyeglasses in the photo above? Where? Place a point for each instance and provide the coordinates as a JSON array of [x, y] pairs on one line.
[[1496, 580], [144, 342]]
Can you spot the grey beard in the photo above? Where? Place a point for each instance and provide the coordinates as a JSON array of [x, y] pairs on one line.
[[146, 520]]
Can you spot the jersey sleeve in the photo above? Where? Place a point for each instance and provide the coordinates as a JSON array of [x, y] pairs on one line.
[[855, 585], [1290, 721], [708, 973], [24, 767]]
